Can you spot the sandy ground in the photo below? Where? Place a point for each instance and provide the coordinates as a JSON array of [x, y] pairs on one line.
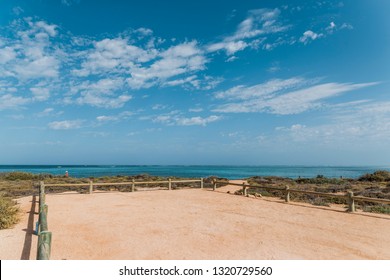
[[196, 224]]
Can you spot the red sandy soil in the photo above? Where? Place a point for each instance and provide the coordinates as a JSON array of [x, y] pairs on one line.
[[196, 224]]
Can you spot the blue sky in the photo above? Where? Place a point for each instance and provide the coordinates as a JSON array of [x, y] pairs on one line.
[[180, 82]]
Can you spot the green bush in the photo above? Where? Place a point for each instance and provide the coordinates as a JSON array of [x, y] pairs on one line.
[[377, 176], [8, 212], [18, 175]]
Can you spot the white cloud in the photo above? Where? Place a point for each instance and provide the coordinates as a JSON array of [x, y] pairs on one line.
[[92, 99], [69, 2], [346, 26], [231, 58], [260, 22], [114, 55], [331, 26], [106, 118], [195, 110], [175, 118], [65, 125], [7, 54], [356, 125], [231, 47], [49, 112], [182, 59], [118, 117], [242, 92], [197, 120], [276, 97], [309, 36], [104, 93], [29, 52], [17, 10], [144, 31], [44, 67], [40, 93], [9, 101], [159, 107]]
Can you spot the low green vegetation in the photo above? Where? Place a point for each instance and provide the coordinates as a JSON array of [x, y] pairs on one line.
[[18, 184], [9, 212], [375, 185], [377, 176]]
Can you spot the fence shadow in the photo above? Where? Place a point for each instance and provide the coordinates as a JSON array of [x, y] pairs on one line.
[[29, 231], [298, 204]]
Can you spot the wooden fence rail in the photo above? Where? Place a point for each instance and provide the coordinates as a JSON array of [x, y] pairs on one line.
[[44, 235], [133, 183], [349, 196]]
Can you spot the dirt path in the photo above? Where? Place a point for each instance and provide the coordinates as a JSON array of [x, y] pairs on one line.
[[199, 224], [19, 242]]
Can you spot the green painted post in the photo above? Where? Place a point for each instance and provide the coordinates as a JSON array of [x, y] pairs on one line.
[[44, 245]]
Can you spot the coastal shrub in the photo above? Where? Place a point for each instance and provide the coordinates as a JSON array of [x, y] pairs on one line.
[[13, 176], [8, 212], [377, 176], [319, 180], [23, 176], [382, 209], [320, 201]]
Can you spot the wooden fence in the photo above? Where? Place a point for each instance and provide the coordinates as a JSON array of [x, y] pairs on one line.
[[349, 196], [133, 183], [44, 235]]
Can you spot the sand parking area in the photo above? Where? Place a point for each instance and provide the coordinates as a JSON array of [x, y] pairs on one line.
[[195, 224]]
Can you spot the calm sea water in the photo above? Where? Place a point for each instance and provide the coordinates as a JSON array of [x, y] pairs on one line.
[[196, 171]]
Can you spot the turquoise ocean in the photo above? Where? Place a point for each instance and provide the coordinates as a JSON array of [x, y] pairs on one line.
[[197, 171]]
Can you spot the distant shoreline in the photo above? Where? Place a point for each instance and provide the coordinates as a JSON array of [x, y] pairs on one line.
[[196, 171]]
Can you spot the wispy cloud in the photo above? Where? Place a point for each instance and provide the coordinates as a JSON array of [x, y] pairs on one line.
[[44, 62], [49, 112], [176, 118], [105, 93], [9, 101], [30, 55], [179, 60], [258, 23], [276, 97], [112, 118], [65, 125], [357, 124], [309, 36]]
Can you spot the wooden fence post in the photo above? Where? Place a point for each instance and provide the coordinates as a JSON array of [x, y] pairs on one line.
[[287, 194], [90, 187], [44, 245], [244, 190], [43, 218], [42, 193], [170, 184], [351, 202], [132, 185], [214, 185], [201, 183]]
